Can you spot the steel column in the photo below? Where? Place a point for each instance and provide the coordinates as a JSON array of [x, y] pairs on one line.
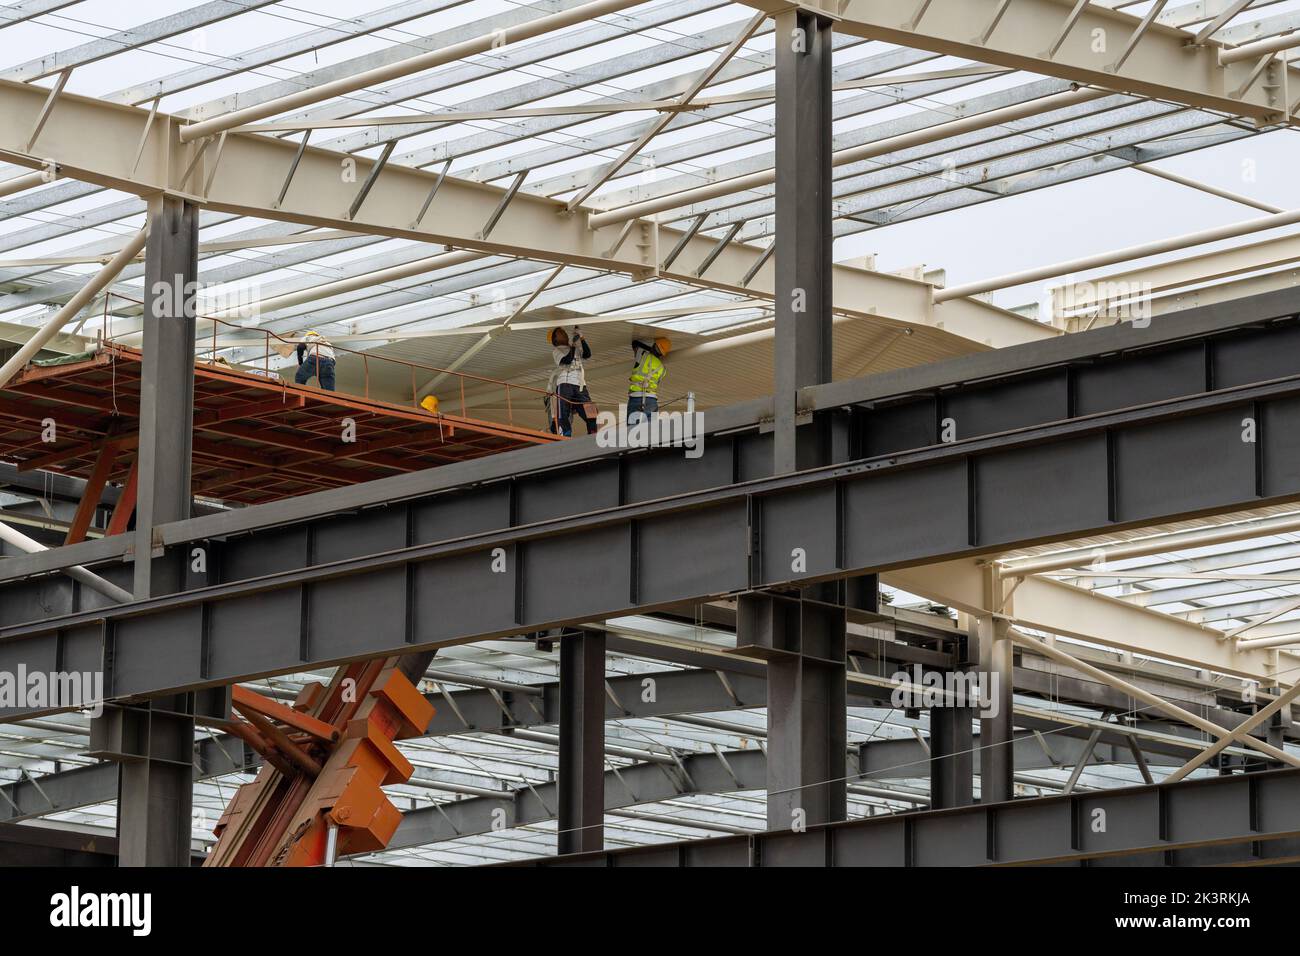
[[582, 743], [807, 709], [155, 791], [167, 383], [154, 744], [803, 217], [997, 730], [952, 757]]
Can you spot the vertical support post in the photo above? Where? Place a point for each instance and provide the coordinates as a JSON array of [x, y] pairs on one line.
[[155, 789], [997, 729], [804, 642], [582, 744], [803, 221], [952, 759], [166, 382], [154, 745]]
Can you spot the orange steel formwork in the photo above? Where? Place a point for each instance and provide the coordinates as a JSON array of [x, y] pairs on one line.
[[256, 438], [327, 759]]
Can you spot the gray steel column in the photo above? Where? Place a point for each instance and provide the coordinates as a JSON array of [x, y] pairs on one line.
[[155, 783], [952, 758], [166, 384], [803, 220], [581, 784], [804, 642], [155, 790], [997, 729]]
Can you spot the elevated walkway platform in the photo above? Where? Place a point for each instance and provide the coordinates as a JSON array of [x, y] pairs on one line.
[[256, 437]]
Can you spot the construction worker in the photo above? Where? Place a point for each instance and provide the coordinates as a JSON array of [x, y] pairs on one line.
[[315, 358], [647, 373], [569, 382]]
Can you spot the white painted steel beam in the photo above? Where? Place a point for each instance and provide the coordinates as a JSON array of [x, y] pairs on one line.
[[1075, 41], [98, 143], [1046, 605], [415, 64]]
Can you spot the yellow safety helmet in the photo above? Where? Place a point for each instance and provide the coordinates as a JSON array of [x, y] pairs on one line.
[[664, 345]]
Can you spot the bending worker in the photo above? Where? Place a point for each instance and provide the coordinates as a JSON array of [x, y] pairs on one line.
[[315, 358], [570, 382], [647, 373]]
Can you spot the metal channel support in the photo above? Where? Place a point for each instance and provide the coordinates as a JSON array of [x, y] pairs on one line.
[[155, 789], [582, 743], [1177, 824], [803, 642], [803, 219]]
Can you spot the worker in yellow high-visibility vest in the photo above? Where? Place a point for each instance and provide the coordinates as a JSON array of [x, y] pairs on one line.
[[643, 384]]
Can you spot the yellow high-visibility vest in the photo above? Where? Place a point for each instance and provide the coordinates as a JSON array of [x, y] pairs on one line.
[[644, 379]]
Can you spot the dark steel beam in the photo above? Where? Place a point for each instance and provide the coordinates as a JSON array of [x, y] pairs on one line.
[[97, 783], [51, 486], [581, 785], [984, 394], [1241, 810], [651, 694], [638, 784], [1038, 483], [47, 846]]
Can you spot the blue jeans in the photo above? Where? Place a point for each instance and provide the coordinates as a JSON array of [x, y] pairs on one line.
[[569, 400], [641, 407], [325, 373]]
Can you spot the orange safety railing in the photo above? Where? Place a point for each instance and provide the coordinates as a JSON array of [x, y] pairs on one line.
[[267, 337]]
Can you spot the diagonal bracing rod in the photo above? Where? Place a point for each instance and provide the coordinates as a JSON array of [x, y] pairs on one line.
[[658, 125], [1238, 733], [1159, 703], [98, 282]]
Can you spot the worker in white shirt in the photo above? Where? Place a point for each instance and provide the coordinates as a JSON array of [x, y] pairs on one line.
[[570, 382], [315, 358]]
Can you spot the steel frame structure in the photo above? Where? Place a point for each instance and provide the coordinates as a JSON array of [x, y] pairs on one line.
[[1057, 435]]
